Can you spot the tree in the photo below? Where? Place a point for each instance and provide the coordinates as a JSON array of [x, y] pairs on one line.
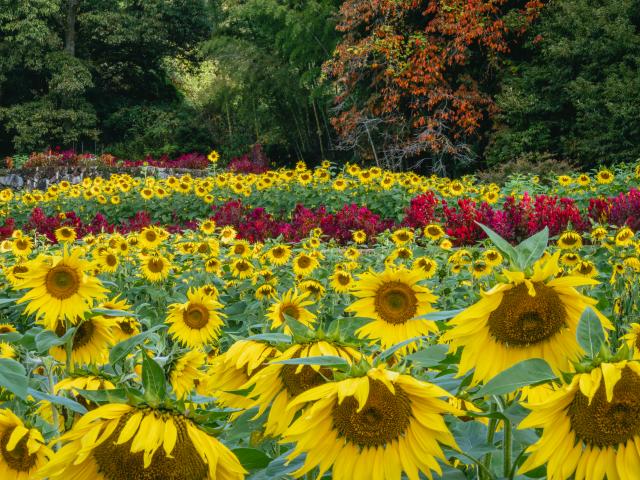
[[415, 78], [267, 57], [575, 92], [69, 67]]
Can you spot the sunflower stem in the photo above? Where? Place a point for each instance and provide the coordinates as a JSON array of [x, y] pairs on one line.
[[491, 432], [506, 448], [54, 410], [68, 348]]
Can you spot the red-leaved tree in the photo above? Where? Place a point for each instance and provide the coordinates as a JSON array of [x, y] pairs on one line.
[[414, 78]]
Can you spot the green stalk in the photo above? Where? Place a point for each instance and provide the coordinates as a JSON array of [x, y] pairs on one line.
[[493, 424], [54, 409], [506, 448]]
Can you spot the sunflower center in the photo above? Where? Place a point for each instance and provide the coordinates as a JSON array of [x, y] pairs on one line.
[[22, 244], [116, 462], [290, 310], [83, 334], [111, 260], [242, 266], [603, 423], [396, 302], [344, 279], [384, 418], [196, 316], [150, 236], [126, 327], [62, 282], [304, 262], [155, 265], [17, 459], [18, 269], [307, 378], [522, 320]]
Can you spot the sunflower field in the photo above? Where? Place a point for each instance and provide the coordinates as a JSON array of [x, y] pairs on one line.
[[321, 323]]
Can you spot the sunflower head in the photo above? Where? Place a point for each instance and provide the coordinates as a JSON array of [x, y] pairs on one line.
[[22, 450]]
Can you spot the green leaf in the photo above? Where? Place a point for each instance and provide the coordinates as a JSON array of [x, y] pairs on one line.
[[391, 350], [271, 338], [429, 357], [58, 400], [532, 248], [590, 333], [443, 315], [13, 377], [252, 458], [122, 349], [298, 329], [47, 339], [153, 381], [116, 395], [500, 243], [10, 337], [4, 301], [107, 312], [527, 372], [324, 360]]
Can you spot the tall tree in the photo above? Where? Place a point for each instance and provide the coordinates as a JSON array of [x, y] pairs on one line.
[[575, 91], [415, 77]]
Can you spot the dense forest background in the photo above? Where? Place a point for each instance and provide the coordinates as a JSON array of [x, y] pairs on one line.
[[451, 86]]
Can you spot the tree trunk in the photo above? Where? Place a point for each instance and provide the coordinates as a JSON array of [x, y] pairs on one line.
[[70, 32]]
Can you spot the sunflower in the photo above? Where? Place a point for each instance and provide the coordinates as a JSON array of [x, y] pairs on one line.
[[525, 318], [186, 372], [583, 180], [196, 322], [492, 257], [393, 299], [565, 180], [124, 327], [585, 268], [65, 234], [151, 237], [82, 382], [341, 281], [599, 234], [7, 350], [632, 339], [242, 268], [228, 234], [91, 342], [433, 231], [22, 450], [570, 259], [207, 226], [304, 264], [118, 441], [384, 422], [22, 247], [359, 236], [108, 262], [277, 384], [291, 304], [402, 236], [154, 268], [59, 288], [591, 427], [605, 177], [624, 237], [570, 240], [427, 265], [233, 369], [17, 273], [480, 269], [279, 254], [240, 248], [266, 291]]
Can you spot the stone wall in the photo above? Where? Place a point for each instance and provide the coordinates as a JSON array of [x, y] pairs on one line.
[[41, 177]]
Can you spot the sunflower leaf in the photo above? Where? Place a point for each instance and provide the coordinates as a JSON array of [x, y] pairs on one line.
[[437, 316], [4, 301], [501, 244], [107, 312], [531, 249], [430, 356], [323, 360], [114, 395], [527, 372], [58, 400], [270, 337], [47, 339], [590, 333], [153, 381], [13, 377], [391, 350], [122, 349], [252, 458]]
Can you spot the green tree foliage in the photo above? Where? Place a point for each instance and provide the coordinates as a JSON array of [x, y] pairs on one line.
[[76, 71], [575, 92], [267, 86]]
